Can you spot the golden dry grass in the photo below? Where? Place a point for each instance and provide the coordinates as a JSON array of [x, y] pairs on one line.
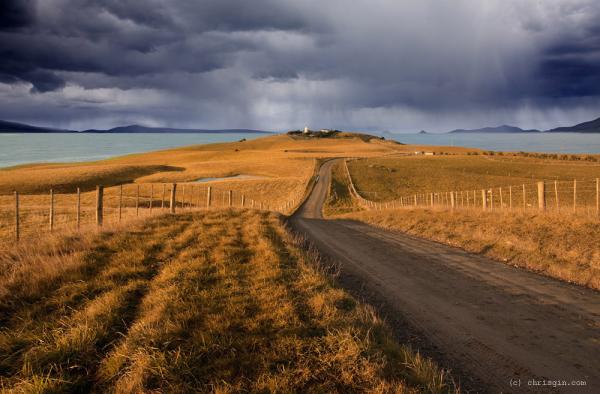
[[563, 246], [285, 165], [34, 210], [279, 156], [382, 179], [339, 200], [222, 301], [566, 248]]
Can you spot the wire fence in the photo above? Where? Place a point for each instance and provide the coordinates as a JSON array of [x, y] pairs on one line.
[[26, 215], [579, 196]]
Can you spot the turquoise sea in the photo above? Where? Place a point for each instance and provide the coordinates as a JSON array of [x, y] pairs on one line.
[[33, 148]]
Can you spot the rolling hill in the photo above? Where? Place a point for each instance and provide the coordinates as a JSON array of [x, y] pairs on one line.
[[14, 127], [592, 126], [144, 129]]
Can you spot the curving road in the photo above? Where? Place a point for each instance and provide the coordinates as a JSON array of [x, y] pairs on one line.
[[493, 323]]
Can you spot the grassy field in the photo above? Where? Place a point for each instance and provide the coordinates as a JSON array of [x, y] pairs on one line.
[[566, 247], [222, 301], [383, 179], [275, 157], [283, 166]]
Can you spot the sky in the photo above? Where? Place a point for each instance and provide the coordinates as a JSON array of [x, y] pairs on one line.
[[400, 66]]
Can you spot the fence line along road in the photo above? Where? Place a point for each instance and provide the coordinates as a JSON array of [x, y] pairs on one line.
[[53, 212], [581, 196]]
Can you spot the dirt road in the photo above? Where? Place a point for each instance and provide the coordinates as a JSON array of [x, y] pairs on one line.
[[500, 325]]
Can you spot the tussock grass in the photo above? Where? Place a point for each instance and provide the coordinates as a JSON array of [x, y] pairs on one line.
[[220, 301]]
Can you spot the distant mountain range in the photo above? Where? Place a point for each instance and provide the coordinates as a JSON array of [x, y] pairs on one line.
[[14, 127], [498, 129], [586, 127], [143, 129]]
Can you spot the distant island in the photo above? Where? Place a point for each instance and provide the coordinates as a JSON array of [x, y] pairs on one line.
[[585, 127], [14, 127], [498, 129]]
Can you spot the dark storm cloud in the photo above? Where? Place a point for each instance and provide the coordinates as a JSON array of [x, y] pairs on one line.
[[571, 67], [15, 14], [275, 63], [127, 38]]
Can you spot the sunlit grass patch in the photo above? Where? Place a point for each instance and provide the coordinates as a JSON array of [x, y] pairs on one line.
[[219, 301]]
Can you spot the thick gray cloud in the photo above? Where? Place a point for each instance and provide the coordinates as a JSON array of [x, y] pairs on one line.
[[274, 64]]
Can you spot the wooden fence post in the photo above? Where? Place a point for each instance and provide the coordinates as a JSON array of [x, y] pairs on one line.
[[415, 200], [137, 201], [164, 196], [556, 195], [99, 205], [541, 195], [208, 196], [243, 200], [229, 198], [17, 228], [151, 196], [501, 200], [51, 210], [172, 201], [182, 196], [452, 202], [484, 199], [491, 199], [78, 208], [597, 196], [524, 198], [120, 202]]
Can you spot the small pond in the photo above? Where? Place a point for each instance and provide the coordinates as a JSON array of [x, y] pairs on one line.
[[239, 177]]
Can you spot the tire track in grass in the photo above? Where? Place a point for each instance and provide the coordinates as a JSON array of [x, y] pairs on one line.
[[109, 304], [168, 313], [227, 302], [62, 293]]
